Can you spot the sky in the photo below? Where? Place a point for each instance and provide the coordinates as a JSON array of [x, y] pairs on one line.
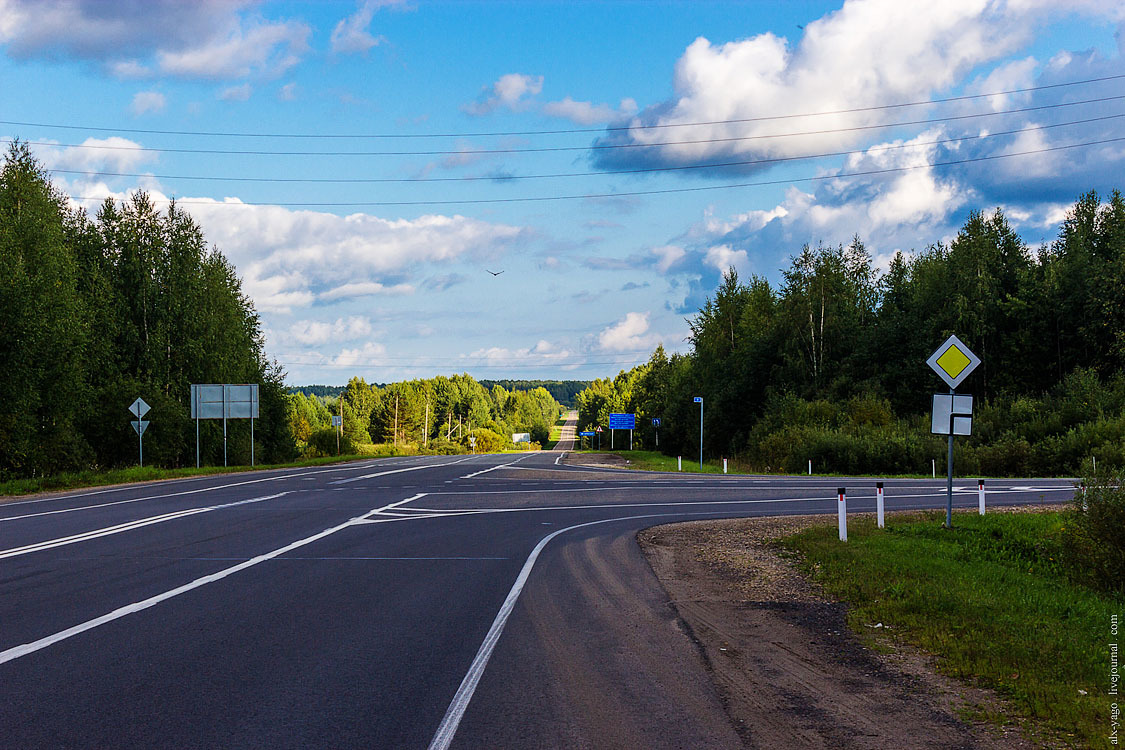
[[368, 166]]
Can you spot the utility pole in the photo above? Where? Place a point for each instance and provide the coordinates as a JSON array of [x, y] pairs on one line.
[[396, 420], [699, 400], [426, 426]]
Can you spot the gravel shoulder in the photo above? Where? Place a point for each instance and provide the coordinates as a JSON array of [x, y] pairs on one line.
[[788, 669]]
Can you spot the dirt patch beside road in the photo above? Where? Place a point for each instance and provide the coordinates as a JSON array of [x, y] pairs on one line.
[[790, 673]]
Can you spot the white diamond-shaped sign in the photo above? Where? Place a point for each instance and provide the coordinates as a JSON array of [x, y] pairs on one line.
[[140, 425], [953, 362], [139, 408]]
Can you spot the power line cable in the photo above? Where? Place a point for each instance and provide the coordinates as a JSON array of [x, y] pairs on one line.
[[560, 131], [636, 193], [639, 170], [591, 147]]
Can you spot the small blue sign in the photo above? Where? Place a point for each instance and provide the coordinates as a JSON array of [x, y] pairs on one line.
[[622, 421], [698, 399], [587, 434], [656, 421]]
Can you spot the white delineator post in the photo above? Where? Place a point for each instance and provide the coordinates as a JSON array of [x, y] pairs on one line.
[[679, 463], [879, 503], [842, 506], [980, 495], [724, 466], [810, 467]]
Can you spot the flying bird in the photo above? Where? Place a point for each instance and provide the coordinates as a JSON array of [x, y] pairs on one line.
[[494, 273]]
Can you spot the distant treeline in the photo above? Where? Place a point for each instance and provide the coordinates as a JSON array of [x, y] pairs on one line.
[[96, 312], [324, 391], [563, 391], [830, 365], [438, 414]]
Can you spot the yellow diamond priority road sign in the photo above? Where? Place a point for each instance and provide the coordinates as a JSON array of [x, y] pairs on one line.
[[953, 362]]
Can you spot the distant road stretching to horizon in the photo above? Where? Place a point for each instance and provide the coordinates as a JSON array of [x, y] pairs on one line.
[[490, 601]]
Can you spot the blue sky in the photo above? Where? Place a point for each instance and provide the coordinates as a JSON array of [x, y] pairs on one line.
[[372, 260]]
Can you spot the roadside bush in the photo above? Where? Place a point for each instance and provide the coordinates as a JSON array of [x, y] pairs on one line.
[[1093, 539], [489, 441], [323, 443]]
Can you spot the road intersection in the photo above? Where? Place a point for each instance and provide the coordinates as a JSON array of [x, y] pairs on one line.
[[448, 601]]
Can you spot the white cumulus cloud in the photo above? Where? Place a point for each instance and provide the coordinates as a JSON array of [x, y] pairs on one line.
[[510, 91], [147, 101], [631, 333]]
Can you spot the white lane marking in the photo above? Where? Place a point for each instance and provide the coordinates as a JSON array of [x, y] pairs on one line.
[[449, 723], [170, 494], [560, 458], [396, 471], [121, 527], [493, 468], [17, 652]]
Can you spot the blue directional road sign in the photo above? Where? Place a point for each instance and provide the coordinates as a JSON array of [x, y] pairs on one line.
[[656, 421], [622, 421], [587, 434]]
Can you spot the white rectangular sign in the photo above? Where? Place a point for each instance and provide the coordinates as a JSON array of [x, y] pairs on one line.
[[219, 401], [521, 437], [959, 407]]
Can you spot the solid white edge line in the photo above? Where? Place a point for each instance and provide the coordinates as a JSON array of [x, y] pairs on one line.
[[16, 652], [464, 694]]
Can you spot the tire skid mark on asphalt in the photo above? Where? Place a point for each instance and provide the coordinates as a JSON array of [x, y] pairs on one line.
[[25, 649]]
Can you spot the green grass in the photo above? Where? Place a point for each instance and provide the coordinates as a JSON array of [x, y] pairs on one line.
[[92, 478], [989, 598]]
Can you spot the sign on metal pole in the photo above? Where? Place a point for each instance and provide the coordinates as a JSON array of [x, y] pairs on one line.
[[337, 421], [521, 437], [960, 408], [953, 361], [622, 421], [139, 408], [223, 401]]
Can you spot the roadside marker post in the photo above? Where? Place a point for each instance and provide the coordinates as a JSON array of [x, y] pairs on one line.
[[842, 508], [699, 400], [810, 467], [679, 463], [879, 502], [980, 495], [724, 466]]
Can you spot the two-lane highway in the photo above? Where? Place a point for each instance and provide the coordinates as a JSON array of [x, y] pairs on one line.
[[467, 601]]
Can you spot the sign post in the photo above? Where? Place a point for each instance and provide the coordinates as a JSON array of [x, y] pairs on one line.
[[622, 422], [656, 428], [699, 400], [338, 423], [953, 362], [139, 409], [215, 401]]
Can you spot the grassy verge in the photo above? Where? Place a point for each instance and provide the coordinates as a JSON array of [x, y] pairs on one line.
[[77, 480], [92, 478], [990, 599]]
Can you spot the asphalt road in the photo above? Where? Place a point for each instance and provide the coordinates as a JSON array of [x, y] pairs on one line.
[[492, 601]]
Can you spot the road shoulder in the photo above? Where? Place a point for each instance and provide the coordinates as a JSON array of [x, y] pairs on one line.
[[789, 671]]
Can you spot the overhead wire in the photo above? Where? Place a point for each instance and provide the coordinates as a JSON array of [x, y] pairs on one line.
[[634, 193], [564, 131], [608, 172], [588, 147]]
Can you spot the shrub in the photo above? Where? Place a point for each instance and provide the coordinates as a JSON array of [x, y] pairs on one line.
[[1092, 535], [323, 443]]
